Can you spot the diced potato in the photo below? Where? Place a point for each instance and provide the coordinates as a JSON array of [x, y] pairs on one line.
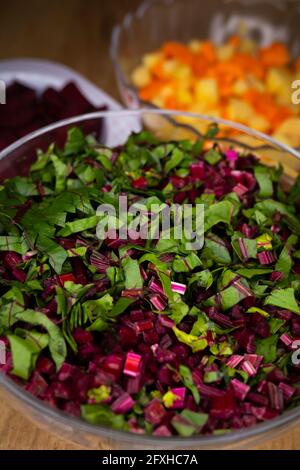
[[248, 46], [240, 111], [195, 46], [169, 66], [184, 97], [150, 60], [225, 52], [240, 87], [206, 90], [278, 81], [166, 91], [182, 72], [158, 101], [259, 122], [141, 76], [289, 131]]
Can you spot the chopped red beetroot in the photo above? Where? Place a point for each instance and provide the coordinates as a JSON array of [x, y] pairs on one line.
[[25, 111]]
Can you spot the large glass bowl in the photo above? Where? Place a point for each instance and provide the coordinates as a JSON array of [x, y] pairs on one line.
[[158, 21], [113, 128]]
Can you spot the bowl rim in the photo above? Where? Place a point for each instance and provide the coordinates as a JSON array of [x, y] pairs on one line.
[[77, 424]]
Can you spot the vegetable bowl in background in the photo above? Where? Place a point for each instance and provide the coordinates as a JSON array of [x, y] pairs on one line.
[[140, 342], [232, 59]]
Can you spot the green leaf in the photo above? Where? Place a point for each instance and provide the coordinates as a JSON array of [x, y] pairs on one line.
[[187, 379], [221, 212], [267, 347], [61, 173], [283, 298], [195, 343], [79, 225], [216, 249], [174, 160], [179, 309], [198, 419], [57, 343], [249, 247], [252, 272], [212, 157], [24, 356], [187, 264], [263, 313], [263, 176], [13, 243], [230, 296], [98, 307], [56, 253], [75, 141], [8, 315], [133, 277], [102, 414], [203, 278], [275, 324], [284, 262], [120, 306], [183, 426]]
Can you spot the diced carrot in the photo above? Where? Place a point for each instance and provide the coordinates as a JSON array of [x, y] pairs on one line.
[[178, 51], [297, 64], [275, 55], [199, 65], [234, 41], [150, 91], [208, 51]]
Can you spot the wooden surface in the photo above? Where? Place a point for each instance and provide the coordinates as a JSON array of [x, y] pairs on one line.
[[76, 33]]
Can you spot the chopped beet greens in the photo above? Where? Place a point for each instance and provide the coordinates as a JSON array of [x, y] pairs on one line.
[[145, 335]]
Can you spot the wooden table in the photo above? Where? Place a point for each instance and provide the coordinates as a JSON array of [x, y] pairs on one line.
[[76, 33]]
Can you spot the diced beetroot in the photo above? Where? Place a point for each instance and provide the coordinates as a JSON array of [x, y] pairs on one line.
[[45, 366], [123, 404], [82, 336], [223, 407], [154, 412], [37, 385]]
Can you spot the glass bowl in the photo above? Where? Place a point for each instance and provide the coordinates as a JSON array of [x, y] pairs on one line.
[[158, 21], [113, 128]]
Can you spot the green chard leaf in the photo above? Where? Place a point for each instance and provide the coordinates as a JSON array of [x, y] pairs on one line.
[[283, 298]]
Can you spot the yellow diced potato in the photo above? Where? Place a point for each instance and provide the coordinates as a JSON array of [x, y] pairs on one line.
[[240, 111], [182, 72], [158, 101], [184, 97], [141, 76], [240, 87], [260, 123], [169, 66], [206, 91], [150, 60], [195, 45], [248, 46], [278, 81], [166, 91], [225, 52], [289, 131]]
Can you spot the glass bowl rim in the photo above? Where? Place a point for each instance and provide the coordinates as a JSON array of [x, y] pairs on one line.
[[99, 431]]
